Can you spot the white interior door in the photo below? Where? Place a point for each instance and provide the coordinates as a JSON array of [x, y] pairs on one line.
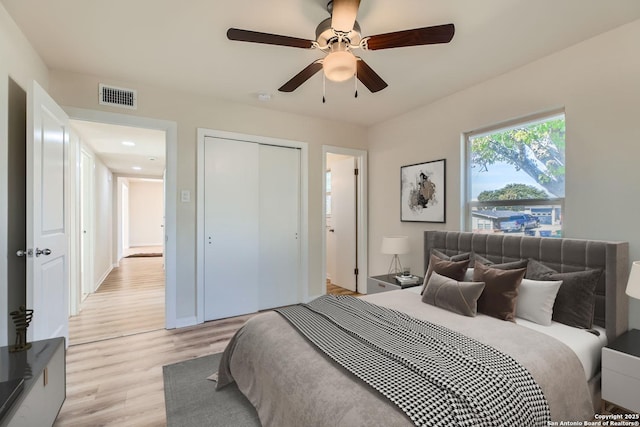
[[47, 217], [86, 226], [231, 209], [279, 211], [343, 216]]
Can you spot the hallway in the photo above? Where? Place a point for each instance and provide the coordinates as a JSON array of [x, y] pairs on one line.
[[131, 300]]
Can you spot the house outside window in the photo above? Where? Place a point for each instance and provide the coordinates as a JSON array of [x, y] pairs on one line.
[[515, 177]]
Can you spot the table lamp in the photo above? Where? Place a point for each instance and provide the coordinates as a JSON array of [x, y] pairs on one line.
[[398, 245], [633, 284]]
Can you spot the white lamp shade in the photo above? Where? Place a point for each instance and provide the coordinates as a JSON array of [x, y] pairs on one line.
[[633, 284], [395, 245]]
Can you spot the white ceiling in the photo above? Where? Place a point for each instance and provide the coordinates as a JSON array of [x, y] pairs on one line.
[[105, 140], [183, 45]]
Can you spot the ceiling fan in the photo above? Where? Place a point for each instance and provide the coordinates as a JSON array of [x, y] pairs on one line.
[[338, 36]]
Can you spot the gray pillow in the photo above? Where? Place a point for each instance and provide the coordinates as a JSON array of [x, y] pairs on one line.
[[452, 269], [458, 297], [457, 257], [512, 265], [575, 302]]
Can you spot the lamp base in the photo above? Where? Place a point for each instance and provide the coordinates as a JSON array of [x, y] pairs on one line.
[[395, 268]]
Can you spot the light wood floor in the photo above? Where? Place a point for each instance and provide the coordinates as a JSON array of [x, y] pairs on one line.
[[129, 301], [337, 290], [115, 378], [118, 346]]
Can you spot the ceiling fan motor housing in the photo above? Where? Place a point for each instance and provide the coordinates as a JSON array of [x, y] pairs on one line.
[[325, 36]]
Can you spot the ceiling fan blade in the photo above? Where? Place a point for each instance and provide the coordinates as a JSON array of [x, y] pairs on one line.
[[370, 78], [416, 37], [343, 14], [301, 77], [266, 38]]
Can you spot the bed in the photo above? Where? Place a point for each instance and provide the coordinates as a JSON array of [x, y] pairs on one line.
[[290, 382]]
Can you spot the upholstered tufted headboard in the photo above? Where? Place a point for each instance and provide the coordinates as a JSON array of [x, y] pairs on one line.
[[563, 255]]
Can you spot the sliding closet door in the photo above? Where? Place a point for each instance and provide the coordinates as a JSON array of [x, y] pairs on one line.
[[279, 226], [231, 208]]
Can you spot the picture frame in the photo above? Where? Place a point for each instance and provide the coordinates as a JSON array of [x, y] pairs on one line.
[[423, 192]]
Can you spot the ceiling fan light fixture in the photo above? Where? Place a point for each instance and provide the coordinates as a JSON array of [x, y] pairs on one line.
[[339, 66]]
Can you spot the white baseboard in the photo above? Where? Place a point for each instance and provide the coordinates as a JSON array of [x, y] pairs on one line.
[[102, 278], [183, 322]]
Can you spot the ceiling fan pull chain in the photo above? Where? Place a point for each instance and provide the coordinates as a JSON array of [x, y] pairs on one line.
[[324, 88], [356, 80]]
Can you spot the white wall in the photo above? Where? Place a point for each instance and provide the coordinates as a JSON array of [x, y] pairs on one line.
[[146, 213], [193, 111], [19, 61], [103, 222], [596, 81]]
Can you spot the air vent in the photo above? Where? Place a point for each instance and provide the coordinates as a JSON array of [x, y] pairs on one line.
[[118, 97]]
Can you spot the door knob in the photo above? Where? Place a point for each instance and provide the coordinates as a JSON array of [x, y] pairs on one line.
[[45, 251], [21, 252]]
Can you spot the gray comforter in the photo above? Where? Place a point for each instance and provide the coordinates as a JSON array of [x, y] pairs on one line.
[[292, 384]]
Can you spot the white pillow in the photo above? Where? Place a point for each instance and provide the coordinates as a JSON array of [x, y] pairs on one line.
[[535, 300]]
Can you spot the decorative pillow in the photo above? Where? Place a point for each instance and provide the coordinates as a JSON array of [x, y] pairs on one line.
[[512, 265], [452, 269], [575, 302], [457, 257], [535, 300], [500, 291], [537, 270], [452, 295]]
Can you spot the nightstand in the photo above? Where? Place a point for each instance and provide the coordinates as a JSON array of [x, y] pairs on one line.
[[621, 371], [386, 283]]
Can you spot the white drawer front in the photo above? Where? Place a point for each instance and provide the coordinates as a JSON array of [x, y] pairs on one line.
[[374, 286], [621, 389], [41, 405], [621, 362]]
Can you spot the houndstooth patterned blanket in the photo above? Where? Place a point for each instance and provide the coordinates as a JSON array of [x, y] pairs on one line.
[[436, 376]]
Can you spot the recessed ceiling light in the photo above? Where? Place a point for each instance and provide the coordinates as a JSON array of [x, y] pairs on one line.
[[136, 168], [128, 143]]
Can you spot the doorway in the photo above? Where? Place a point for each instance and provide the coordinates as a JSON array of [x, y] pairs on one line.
[[141, 219], [169, 130], [17, 194], [109, 227], [345, 226]]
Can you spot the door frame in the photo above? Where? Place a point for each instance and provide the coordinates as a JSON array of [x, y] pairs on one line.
[[171, 147], [361, 214], [200, 220]]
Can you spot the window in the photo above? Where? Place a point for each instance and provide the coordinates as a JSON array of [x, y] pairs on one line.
[[515, 177]]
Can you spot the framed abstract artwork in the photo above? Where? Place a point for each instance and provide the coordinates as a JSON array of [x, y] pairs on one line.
[[422, 192]]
